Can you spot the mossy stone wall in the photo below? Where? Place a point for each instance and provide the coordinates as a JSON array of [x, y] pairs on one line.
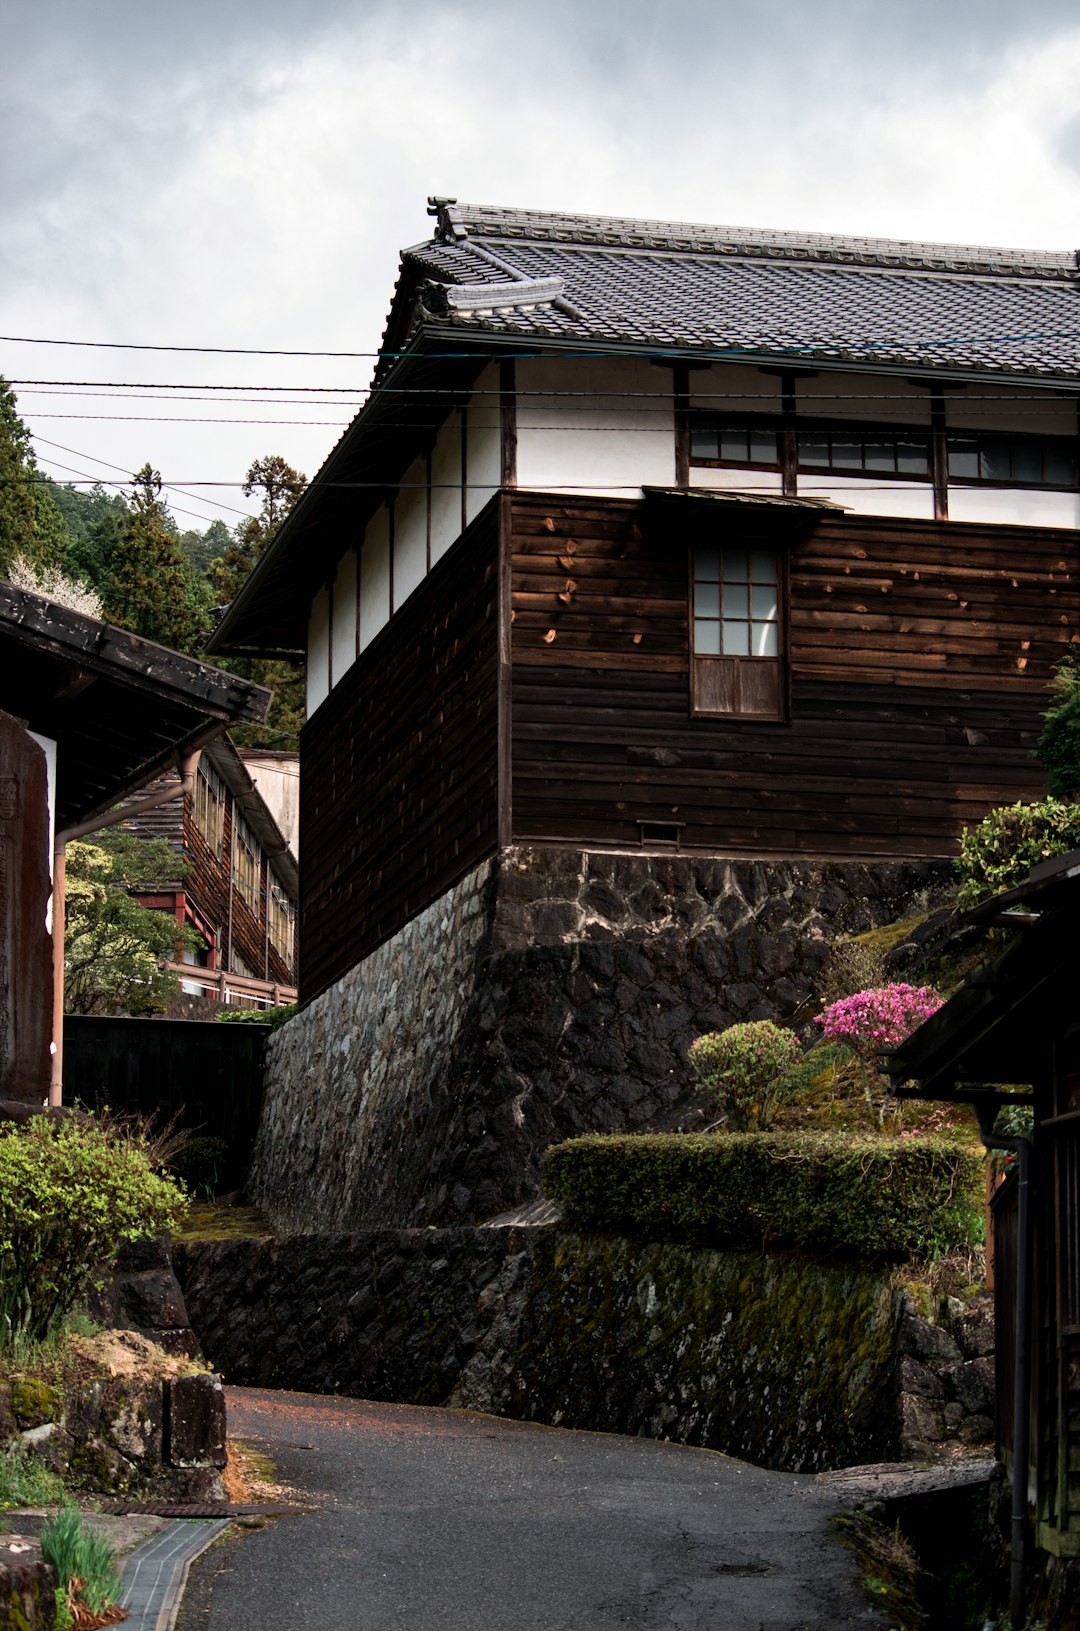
[[784, 1362]]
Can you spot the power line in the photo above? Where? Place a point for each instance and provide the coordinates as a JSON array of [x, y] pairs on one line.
[[188, 419], [95, 481], [76, 453]]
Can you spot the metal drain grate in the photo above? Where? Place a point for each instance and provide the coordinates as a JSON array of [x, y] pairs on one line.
[[152, 1579]]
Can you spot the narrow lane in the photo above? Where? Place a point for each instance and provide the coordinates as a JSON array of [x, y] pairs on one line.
[[441, 1520]]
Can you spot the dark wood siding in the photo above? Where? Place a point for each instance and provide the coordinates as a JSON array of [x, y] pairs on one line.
[[399, 791], [917, 656]]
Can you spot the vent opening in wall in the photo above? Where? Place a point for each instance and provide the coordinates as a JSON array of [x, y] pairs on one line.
[[660, 834]]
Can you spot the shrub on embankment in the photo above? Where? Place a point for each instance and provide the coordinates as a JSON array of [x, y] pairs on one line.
[[867, 1200]]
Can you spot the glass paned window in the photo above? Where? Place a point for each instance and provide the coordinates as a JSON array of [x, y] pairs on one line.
[[1021, 461], [877, 450], [209, 803], [282, 924], [713, 438], [247, 862], [736, 603]]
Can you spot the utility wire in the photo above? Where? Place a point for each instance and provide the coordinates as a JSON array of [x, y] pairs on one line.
[[75, 452]]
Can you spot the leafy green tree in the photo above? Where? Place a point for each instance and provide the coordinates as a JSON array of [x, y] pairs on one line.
[[154, 590], [113, 947], [94, 520], [1059, 744], [204, 548], [278, 486], [30, 523]]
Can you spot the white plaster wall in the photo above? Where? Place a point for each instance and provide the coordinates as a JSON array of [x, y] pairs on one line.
[[446, 487], [870, 495], [411, 512], [483, 460], [48, 747], [1021, 408], [375, 577], [410, 545], [278, 781], [318, 651], [1025, 507], [877, 398], [728, 388], [611, 434], [343, 617], [728, 480]]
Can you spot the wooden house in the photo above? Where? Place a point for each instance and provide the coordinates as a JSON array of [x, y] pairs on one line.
[[90, 716], [240, 891], [675, 599], [675, 538]]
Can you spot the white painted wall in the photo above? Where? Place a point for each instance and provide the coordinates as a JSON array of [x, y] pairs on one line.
[[873, 397], [410, 548], [728, 480], [277, 777], [318, 651], [611, 434], [375, 576], [1016, 506], [446, 487], [483, 450], [48, 747], [1021, 408], [343, 617], [726, 388], [870, 495]]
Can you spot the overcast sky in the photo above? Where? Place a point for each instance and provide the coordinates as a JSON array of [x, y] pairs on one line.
[[243, 173]]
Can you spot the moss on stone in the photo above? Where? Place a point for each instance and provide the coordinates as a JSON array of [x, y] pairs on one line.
[[34, 1402]]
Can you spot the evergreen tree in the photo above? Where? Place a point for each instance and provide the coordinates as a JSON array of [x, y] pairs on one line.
[[203, 548], [30, 523], [153, 590], [278, 486], [94, 520]]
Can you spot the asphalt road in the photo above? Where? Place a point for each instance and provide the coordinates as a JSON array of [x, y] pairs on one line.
[[442, 1520]]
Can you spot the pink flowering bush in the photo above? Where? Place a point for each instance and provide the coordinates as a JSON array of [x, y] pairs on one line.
[[748, 1069], [870, 1021]]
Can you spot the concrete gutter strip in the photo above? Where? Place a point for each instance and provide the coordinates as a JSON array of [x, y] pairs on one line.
[[154, 1576]]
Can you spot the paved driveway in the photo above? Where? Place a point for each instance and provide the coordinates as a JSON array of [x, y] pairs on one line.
[[441, 1520]]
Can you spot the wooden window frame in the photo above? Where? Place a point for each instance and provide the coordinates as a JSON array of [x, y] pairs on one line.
[[208, 800], [245, 843], [733, 672], [979, 437]]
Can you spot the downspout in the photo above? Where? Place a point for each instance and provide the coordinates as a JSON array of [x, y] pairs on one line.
[[1021, 1148], [188, 765]]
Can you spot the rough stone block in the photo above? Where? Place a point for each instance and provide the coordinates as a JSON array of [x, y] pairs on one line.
[[927, 1342], [195, 1421], [915, 1377], [151, 1300], [974, 1329], [920, 1420], [976, 1430], [27, 1592], [972, 1385]]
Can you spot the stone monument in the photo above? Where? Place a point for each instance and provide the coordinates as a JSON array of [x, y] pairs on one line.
[[26, 988]]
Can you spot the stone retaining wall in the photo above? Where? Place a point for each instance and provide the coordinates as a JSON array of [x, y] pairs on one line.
[[549, 993], [777, 1360]]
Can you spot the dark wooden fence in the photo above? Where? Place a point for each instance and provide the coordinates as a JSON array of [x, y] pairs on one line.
[[210, 1076]]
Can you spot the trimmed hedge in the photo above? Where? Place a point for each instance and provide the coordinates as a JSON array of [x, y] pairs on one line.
[[870, 1200]]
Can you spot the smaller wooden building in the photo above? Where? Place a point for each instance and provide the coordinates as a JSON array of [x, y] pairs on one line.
[[1011, 1035], [240, 892]]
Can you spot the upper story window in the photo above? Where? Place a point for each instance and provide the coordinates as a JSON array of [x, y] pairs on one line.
[[737, 634], [1015, 461], [210, 807], [247, 862], [714, 440], [282, 924], [865, 450]]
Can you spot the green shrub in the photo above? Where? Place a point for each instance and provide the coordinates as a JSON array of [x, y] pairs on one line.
[[72, 1192], [747, 1069], [199, 1162], [1002, 849], [274, 1017], [84, 1562], [1059, 744], [870, 1200], [25, 1480]]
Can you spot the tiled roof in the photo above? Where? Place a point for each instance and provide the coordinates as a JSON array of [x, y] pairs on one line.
[[808, 296]]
